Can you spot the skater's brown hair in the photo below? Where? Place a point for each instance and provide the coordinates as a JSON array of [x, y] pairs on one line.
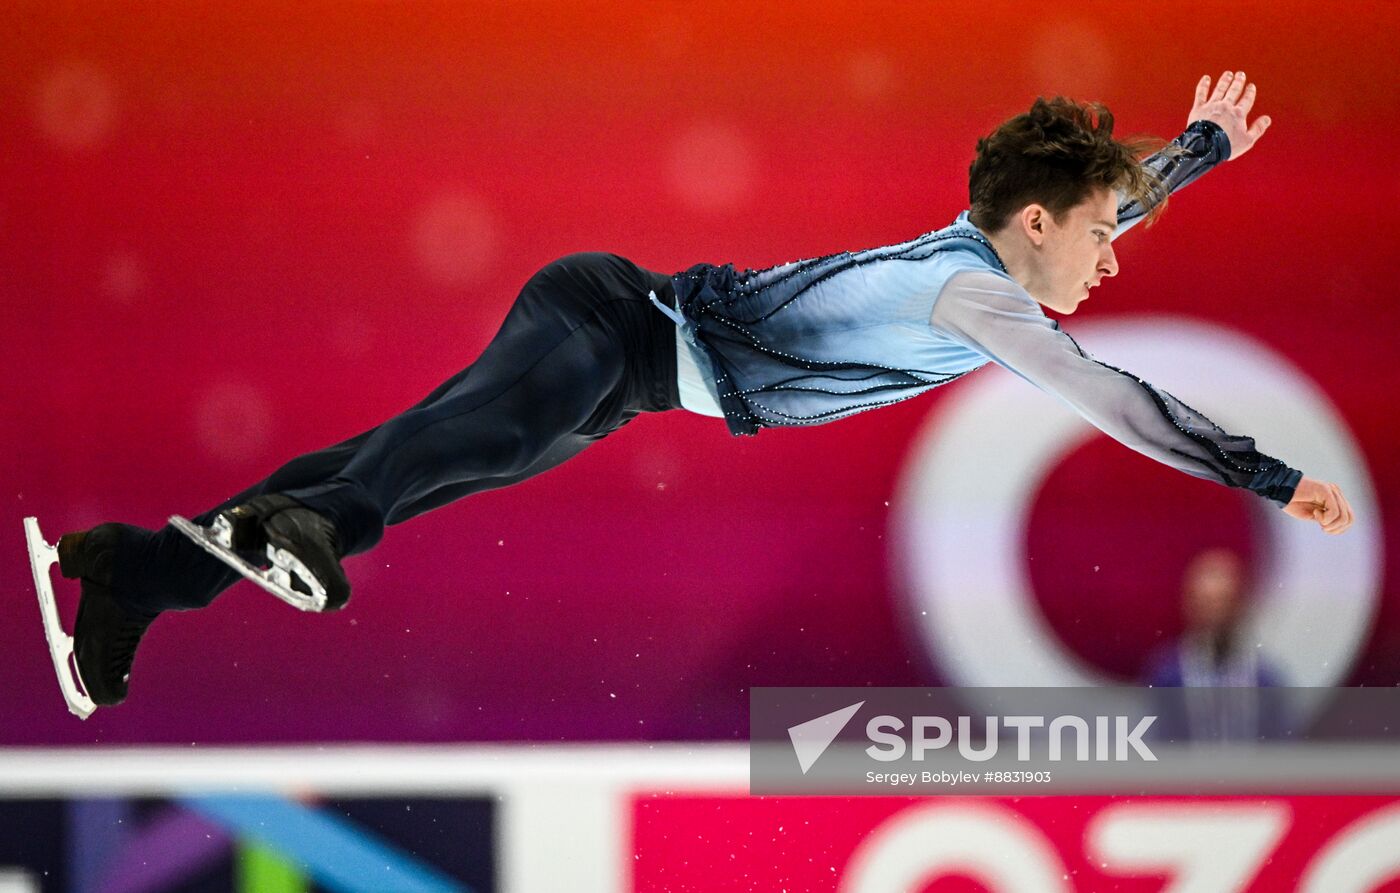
[[1055, 155]]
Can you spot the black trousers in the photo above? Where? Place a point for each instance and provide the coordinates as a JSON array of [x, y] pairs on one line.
[[581, 352]]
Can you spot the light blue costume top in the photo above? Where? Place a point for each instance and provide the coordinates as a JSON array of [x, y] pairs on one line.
[[816, 340]]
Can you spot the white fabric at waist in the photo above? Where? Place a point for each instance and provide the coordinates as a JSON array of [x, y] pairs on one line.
[[698, 393]]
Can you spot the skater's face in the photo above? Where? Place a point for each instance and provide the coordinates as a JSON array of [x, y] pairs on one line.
[[1064, 259]]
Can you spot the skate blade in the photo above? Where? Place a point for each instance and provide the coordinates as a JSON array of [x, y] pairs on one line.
[[42, 556], [217, 540]]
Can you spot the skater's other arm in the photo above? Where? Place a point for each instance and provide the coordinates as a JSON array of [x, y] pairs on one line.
[[994, 316], [1202, 146]]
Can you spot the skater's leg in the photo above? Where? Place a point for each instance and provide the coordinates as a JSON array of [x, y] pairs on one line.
[[164, 570], [564, 449], [581, 351], [525, 395], [518, 433], [553, 361]]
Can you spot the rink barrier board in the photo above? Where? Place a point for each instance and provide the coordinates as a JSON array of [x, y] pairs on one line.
[[620, 817]]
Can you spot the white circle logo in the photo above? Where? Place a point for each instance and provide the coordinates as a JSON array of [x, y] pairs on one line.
[[964, 499]]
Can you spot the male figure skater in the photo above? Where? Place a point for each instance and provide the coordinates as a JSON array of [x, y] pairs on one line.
[[593, 340]]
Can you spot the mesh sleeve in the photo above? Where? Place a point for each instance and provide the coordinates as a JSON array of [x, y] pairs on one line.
[[1199, 148], [996, 317]]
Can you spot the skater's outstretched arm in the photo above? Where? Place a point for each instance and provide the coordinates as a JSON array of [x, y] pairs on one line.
[[995, 316], [1202, 146]]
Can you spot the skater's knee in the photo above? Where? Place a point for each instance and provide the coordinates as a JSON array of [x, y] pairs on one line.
[[494, 444], [513, 448]]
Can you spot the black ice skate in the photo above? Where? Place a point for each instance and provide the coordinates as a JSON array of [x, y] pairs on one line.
[[296, 551], [94, 664]]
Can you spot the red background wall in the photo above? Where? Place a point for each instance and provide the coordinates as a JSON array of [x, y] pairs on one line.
[[232, 236]]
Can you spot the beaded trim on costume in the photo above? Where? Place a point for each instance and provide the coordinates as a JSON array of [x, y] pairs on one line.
[[1248, 468], [744, 411]]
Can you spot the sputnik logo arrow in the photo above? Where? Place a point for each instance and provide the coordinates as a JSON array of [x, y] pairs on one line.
[[810, 739]]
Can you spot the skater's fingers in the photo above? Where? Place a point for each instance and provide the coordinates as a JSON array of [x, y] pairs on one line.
[[1344, 512], [1232, 95], [1220, 85], [1202, 90], [1331, 511], [1247, 101], [1260, 125]]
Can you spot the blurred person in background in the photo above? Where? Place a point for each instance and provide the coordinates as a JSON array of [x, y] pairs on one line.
[[1211, 651], [593, 340], [1214, 657]]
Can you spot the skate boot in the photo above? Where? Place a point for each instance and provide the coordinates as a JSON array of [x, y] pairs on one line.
[[107, 630], [283, 546], [94, 665]]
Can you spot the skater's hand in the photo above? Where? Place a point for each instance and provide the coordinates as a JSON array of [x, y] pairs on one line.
[[1228, 105], [1321, 502]]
